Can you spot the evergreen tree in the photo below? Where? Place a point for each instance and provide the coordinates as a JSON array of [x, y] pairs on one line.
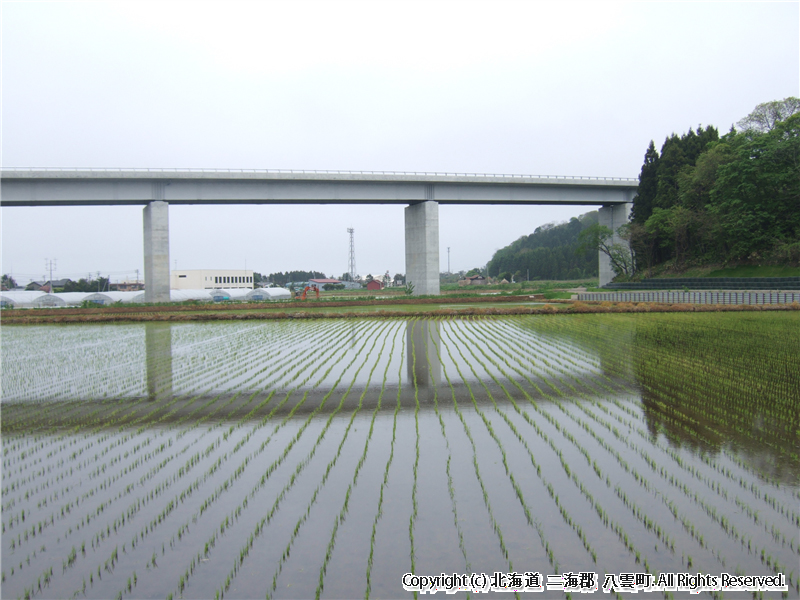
[[648, 186], [710, 199], [673, 159]]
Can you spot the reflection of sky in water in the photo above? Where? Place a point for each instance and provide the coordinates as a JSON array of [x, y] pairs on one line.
[[105, 361], [61, 362], [162, 360]]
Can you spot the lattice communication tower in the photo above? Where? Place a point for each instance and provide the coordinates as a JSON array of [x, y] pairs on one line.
[[351, 264]]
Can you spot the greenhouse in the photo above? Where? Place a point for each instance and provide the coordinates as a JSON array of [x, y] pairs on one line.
[[106, 298], [73, 298], [265, 294], [28, 299], [186, 296]]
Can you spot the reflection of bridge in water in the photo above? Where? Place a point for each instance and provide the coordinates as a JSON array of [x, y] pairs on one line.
[[165, 375], [423, 347], [169, 401], [158, 361]]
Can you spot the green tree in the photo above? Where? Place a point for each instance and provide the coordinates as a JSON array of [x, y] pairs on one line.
[[696, 182], [8, 282], [648, 186], [676, 154], [547, 253], [720, 199], [767, 115], [86, 285], [600, 238], [756, 196], [282, 279]]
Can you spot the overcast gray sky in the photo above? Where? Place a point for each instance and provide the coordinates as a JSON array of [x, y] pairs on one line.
[[544, 88]]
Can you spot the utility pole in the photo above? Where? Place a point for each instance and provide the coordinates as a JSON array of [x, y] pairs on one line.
[[448, 260], [351, 265], [50, 265], [98, 282]]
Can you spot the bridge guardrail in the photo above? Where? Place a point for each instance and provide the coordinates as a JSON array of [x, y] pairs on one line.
[[314, 172]]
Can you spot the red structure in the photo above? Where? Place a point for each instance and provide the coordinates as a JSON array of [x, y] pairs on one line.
[[374, 285], [309, 288]]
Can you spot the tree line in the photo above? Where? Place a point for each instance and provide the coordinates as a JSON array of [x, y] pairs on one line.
[[282, 279], [706, 198], [552, 251]]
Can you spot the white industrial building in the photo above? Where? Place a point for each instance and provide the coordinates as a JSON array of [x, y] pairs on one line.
[[209, 279]]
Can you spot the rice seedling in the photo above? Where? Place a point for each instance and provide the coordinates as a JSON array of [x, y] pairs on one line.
[[642, 437]]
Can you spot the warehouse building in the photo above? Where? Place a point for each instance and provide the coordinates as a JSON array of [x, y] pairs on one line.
[[210, 279]]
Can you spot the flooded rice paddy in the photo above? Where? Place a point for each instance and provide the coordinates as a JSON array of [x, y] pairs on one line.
[[294, 459]]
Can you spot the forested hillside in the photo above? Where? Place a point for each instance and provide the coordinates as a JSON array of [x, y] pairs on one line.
[[550, 252], [731, 199]]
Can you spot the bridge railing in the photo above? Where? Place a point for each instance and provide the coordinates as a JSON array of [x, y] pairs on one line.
[[316, 172]]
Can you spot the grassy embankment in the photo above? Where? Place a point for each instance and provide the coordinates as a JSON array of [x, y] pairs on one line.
[[319, 311]]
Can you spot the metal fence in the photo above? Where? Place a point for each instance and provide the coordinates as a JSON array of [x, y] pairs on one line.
[[702, 297]]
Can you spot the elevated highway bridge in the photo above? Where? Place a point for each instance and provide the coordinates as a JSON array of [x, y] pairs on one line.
[[421, 193]]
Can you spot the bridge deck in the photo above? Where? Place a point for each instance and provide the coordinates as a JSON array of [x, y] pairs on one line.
[[70, 187]]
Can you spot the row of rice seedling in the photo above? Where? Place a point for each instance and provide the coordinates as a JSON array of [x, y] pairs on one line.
[[345, 505], [495, 525], [726, 471], [26, 377], [449, 476], [649, 460], [239, 470], [721, 519], [225, 485], [568, 519], [106, 419], [726, 348], [716, 485], [329, 469], [222, 487], [583, 447], [265, 476]]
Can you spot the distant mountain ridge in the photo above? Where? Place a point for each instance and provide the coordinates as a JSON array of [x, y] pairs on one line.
[[550, 252]]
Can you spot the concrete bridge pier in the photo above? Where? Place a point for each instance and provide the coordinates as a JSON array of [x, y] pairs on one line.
[[422, 247], [612, 216], [156, 252]]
